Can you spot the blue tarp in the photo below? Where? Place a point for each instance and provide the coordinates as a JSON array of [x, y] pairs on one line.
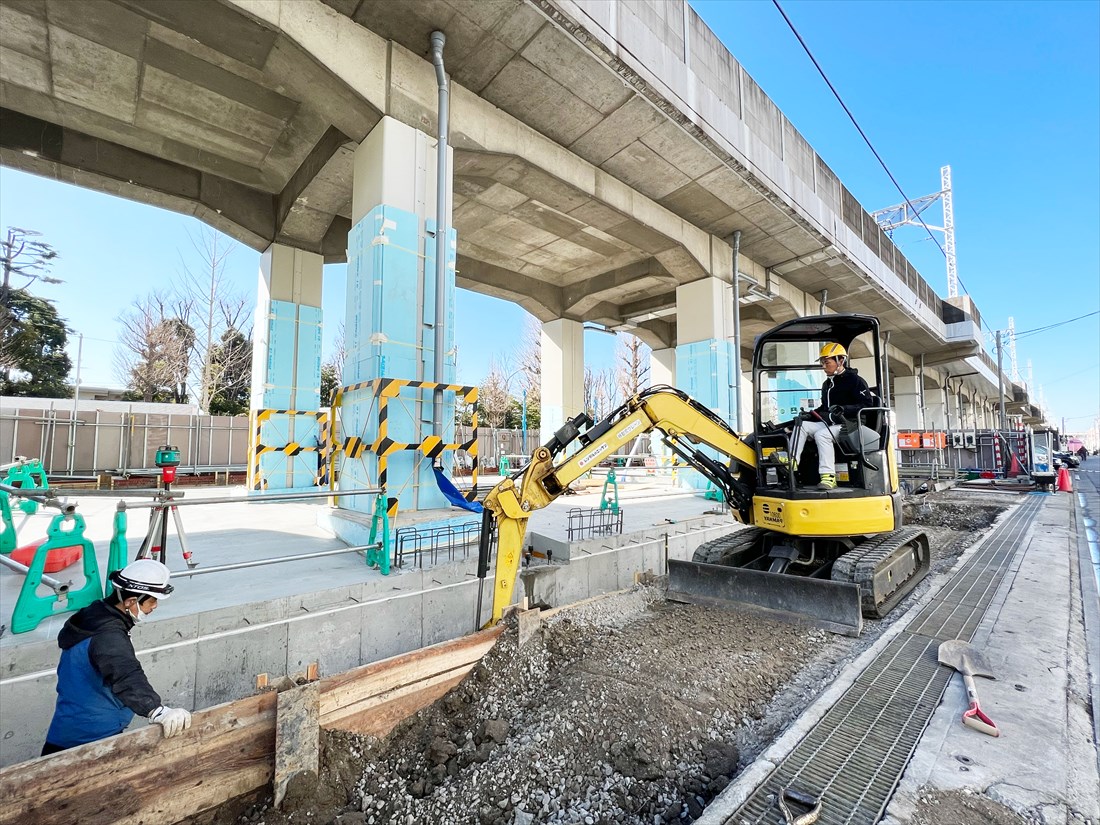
[[452, 494]]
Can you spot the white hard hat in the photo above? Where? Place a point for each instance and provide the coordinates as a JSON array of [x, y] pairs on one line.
[[144, 577]]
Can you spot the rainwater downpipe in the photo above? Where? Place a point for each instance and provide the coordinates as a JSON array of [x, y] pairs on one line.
[[886, 394], [737, 333], [441, 228]]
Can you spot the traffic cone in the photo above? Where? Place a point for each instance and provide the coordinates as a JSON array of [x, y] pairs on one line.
[[1014, 469], [1065, 483]]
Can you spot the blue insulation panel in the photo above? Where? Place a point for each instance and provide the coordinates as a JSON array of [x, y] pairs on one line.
[[704, 371], [308, 379], [389, 333]]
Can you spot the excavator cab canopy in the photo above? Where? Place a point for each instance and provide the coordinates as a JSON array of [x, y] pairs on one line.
[[787, 376]]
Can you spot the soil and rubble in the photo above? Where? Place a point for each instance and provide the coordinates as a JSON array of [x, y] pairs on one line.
[[627, 709]]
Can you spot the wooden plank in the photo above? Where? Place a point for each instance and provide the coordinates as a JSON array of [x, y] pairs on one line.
[[379, 720], [335, 718], [354, 685], [297, 736], [140, 777]]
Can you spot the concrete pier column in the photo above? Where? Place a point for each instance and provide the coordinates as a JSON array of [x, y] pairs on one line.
[[662, 370], [662, 366], [562, 388], [390, 316], [705, 362], [286, 370], [706, 365], [935, 414], [908, 412]]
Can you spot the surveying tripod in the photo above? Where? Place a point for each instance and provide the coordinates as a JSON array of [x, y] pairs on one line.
[[155, 544]]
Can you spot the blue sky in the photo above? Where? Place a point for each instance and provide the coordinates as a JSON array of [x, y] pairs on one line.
[[1008, 94]]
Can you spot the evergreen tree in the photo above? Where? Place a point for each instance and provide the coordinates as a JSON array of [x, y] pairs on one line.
[[32, 340]]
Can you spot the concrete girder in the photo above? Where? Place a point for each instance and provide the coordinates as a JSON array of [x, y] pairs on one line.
[[578, 299], [246, 214], [540, 299]]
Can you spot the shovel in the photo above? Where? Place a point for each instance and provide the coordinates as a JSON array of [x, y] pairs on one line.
[[970, 662]]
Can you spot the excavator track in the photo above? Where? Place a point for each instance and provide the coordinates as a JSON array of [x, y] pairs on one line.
[[886, 568]]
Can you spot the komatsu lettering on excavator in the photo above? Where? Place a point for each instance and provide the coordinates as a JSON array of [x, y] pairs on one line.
[[808, 551]]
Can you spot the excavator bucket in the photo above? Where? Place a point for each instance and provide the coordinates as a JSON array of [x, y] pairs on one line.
[[833, 606]]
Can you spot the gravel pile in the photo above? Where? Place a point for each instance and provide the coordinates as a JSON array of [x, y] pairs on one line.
[[626, 710]]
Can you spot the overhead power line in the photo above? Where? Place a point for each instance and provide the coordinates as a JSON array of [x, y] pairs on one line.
[[1037, 330], [862, 134]]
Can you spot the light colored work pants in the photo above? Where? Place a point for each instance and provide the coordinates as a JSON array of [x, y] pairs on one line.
[[825, 437]]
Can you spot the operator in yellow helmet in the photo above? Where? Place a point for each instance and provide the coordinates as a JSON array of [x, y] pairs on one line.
[[843, 395]]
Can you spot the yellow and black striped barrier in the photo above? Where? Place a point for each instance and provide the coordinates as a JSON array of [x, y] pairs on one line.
[[256, 481], [432, 447]]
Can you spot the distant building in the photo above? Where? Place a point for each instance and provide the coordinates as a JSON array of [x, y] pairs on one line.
[[87, 392]]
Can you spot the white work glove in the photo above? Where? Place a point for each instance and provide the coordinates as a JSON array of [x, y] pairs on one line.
[[173, 720]]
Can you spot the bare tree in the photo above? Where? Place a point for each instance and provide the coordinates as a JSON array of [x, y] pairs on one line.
[[153, 358], [493, 398], [210, 306], [23, 256], [631, 365], [530, 361]]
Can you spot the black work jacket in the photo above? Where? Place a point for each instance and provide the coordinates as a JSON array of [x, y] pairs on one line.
[[847, 390]]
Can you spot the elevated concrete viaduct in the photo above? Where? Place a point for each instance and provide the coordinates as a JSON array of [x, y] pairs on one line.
[[604, 157]]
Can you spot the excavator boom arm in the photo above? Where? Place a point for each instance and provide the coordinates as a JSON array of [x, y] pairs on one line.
[[686, 426]]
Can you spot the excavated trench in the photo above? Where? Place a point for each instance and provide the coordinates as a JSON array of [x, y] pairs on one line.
[[628, 709]]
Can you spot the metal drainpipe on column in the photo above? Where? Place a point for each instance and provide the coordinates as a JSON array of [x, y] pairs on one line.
[[438, 39], [737, 332]]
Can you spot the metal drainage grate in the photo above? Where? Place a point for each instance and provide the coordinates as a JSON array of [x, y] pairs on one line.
[[854, 757]]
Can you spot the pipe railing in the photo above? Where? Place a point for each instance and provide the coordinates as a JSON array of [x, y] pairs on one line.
[[58, 587], [221, 568]]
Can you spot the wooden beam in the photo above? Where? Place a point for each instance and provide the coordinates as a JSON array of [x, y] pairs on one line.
[[141, 778]]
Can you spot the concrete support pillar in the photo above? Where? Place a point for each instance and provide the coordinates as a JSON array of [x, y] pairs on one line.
[[907, 407], [390, 322], [562, 373], [662, 366], [286, 369], [935, 414], [706, 365], [705, 362], [662, 370]]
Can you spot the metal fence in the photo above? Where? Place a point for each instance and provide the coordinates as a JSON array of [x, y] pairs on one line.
[[415, 547], [586, 523], [119, 442]]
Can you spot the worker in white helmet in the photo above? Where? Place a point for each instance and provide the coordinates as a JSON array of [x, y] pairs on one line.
[[100, 682], [843, 395]]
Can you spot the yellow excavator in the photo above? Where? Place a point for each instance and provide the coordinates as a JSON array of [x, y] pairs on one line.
[[824, 556]]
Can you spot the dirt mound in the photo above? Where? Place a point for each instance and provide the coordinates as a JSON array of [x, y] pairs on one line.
[[963, 808], [954, 513], [625, 711]]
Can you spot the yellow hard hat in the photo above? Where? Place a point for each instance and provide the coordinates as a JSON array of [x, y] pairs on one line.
[[832, 351]]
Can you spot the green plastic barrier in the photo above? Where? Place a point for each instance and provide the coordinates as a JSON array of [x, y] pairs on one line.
[[31, 608], [7, 526], [118, 555], [380, 556], [28, 475], [610, 502]]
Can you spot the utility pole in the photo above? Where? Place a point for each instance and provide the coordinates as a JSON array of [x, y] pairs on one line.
[[1000, 381], [76, 401]]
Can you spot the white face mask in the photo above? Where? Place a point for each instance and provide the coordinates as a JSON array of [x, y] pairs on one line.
[[138, 616]]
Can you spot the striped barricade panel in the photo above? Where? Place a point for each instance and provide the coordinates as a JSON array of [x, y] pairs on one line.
[[383, 447]]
